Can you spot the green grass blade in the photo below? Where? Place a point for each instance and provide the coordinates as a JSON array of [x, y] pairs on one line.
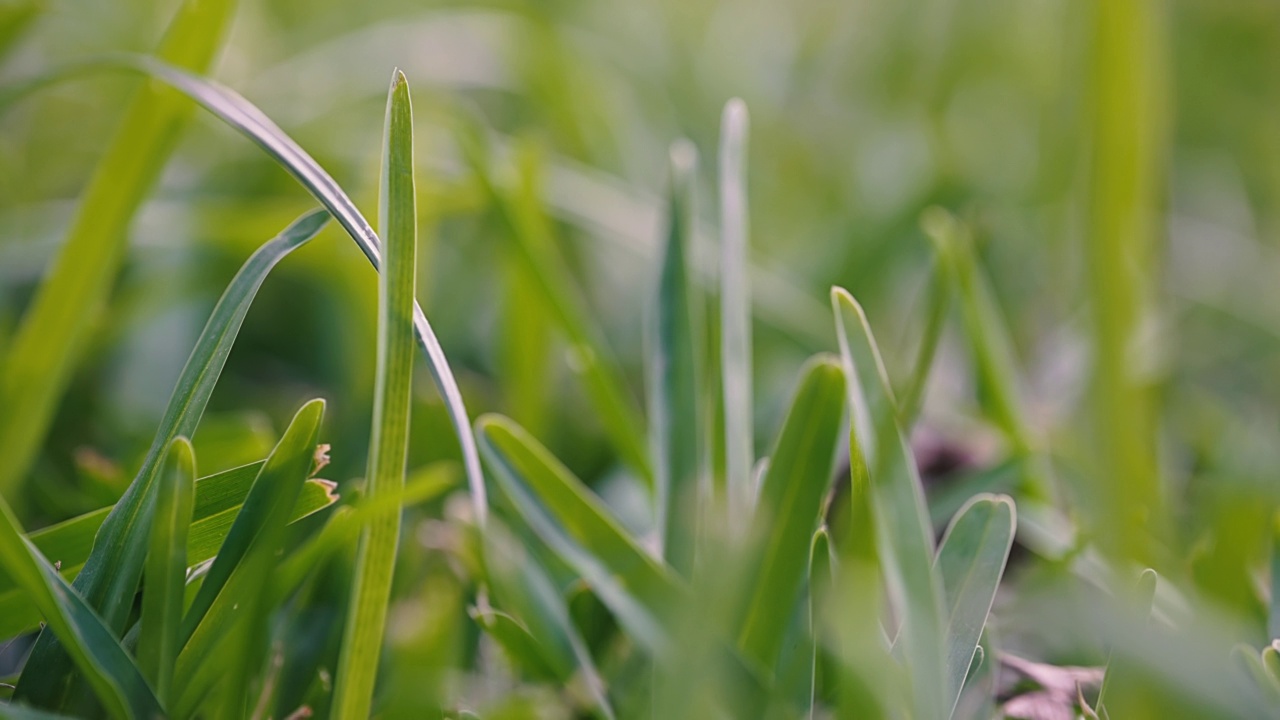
[[790, 504], [904, 534], [735, 310], [44, 352], [937, 304], [820, 576], [1143, 597], [166, 567], [10, 711], [110, 575], [246, 563], [91, 645], [971, 562], [675, 427], [1273, 615], [577, 527], [389, 445], [15, 18]]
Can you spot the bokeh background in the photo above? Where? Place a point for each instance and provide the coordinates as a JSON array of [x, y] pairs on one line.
[[863, 114]]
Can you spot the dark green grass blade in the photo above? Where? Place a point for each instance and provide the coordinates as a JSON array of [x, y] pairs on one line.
[[790, 504], [42, 355], [91, 645], [675, 426], [819, 585], [735, 310], [250, 555], [389, 444], [166, 567], [904, 534], [110, 575], [580, 530], [971, 562]]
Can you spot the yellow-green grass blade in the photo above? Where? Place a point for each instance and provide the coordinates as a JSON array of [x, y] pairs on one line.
[[249, 565], [534, 251], [89, 642], [580, 530], [971, 561], [790, 506], [904, 534], [389, 444], [675, 426], [1273, 610], [15, 18], [735, 310], [110, 576], [166, 567], [44, 352]]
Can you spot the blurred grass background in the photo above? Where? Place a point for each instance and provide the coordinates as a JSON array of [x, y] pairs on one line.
[[864, 114]]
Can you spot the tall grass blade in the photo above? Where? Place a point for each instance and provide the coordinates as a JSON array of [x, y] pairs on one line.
[[971, 562], [675, 427], [44, 352], [790, 504], [166, 567], [735, 310], [110, 575], [389, 444], [937, 304], [904, 533], [819, 583]]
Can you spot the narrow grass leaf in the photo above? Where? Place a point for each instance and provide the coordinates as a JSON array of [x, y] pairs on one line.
[[109, 578], [1273, 610], [389, 444], [675, 385], [971, 562], [820, 576], [904, 534], [42, 355], [735, 310], [166, 567], [790, 504], [1144, 595], [937, 304]]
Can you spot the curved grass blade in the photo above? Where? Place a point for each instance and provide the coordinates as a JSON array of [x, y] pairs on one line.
[[735, 310], [675, 426], [790, 505], [971, 562], [110, 575], [389, 444], [578, 528], [904, 534], [247, 561], [820, 576], [90, 644], [166, 567], [42, 355], [522, 648]]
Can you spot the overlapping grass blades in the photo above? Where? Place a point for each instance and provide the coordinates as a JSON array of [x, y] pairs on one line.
[[42, 355], [110, 575], [389, 443]]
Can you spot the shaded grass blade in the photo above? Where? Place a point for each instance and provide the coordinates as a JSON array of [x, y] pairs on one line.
[[675, 427], [389, 444], [971, 562], [735, 310], [166, 567], [820, 576], [42, 355], [110, 575]]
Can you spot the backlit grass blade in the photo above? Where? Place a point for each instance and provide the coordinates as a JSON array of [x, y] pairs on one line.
[[91, 645], [790, 503], [904, 533], [246, 563], [166, 567], [735, 310], [971, 562], [577, 527], [674, 376], [110, 575], [389, 444], [544, 269], [42, 355]]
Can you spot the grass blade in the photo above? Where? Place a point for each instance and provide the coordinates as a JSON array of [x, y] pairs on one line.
[[166, 567], [820, 575], [735, 310], [937, 303], [675, 426], [971, 562], [389, 445], [904, 533], [44, 352], [110, 575], [790, 505]]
